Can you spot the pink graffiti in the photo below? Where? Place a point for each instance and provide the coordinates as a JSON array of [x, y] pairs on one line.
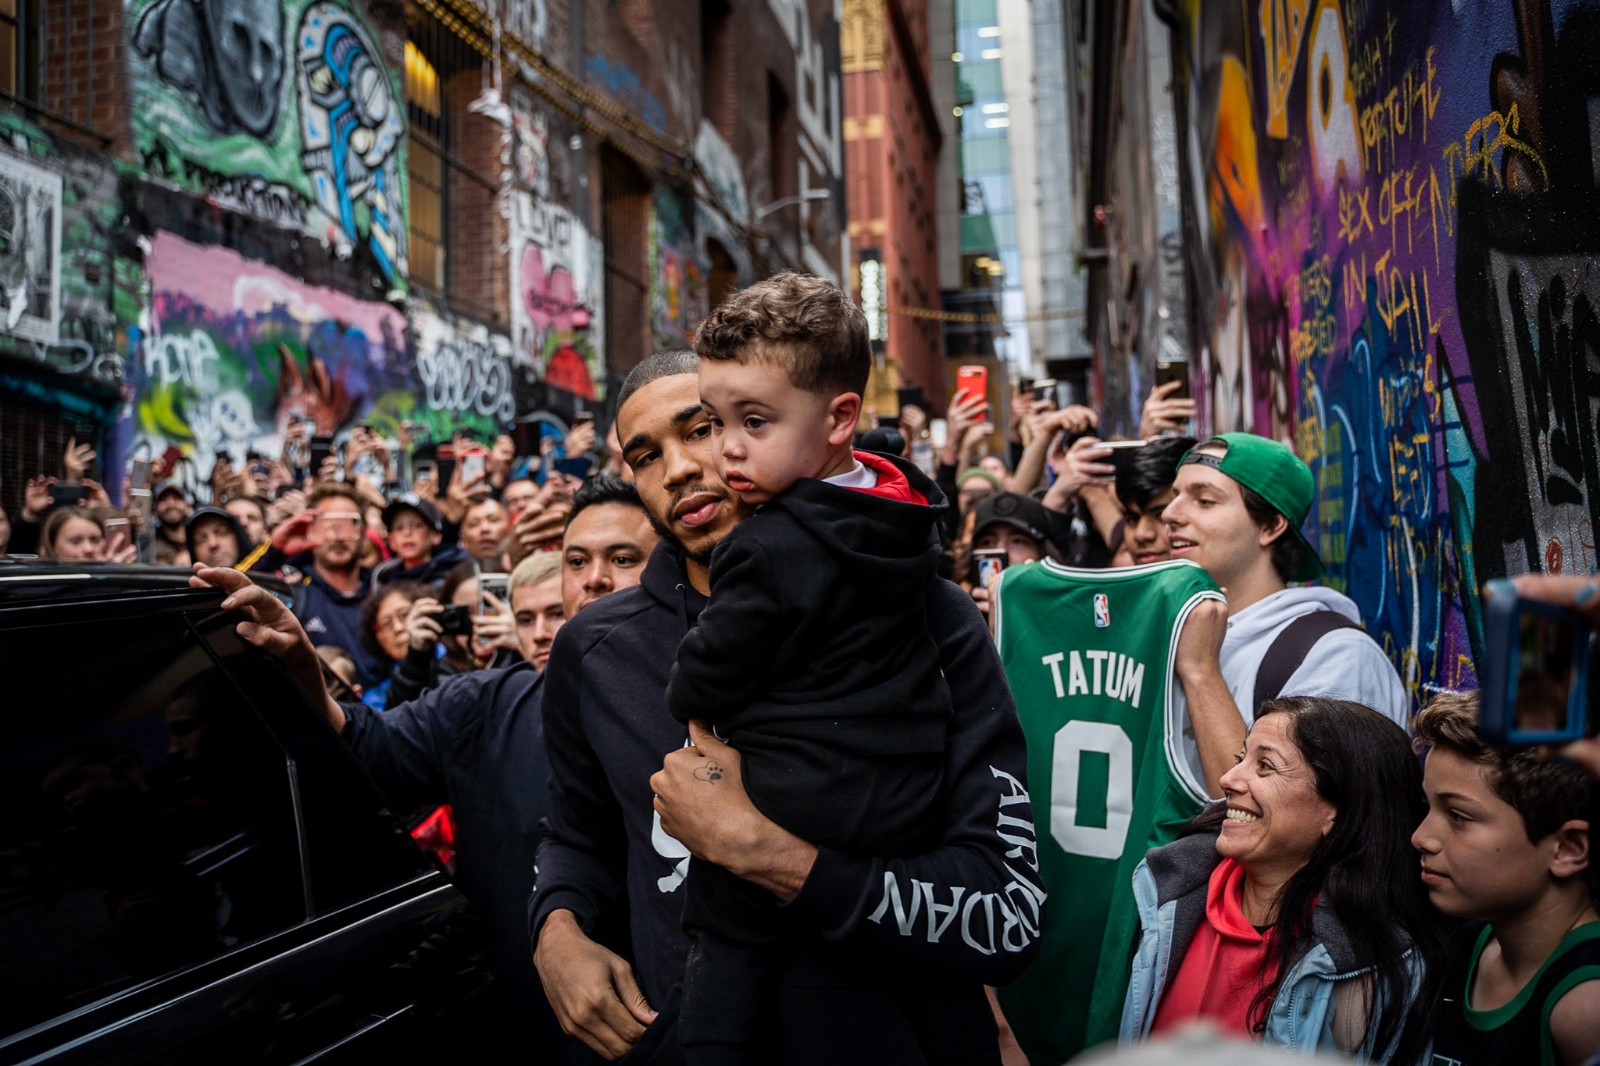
[[555, 313]]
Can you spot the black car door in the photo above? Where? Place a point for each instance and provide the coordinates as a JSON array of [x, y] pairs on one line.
[[194, 870]]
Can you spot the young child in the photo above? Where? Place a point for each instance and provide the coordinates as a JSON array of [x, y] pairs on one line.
[[1506, 843], [813, 657]]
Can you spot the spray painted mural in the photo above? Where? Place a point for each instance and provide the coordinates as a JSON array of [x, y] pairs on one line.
[[677, 278], [281, 110], [1397, 255], [236, 348], [71, 284], [464, 372], [558, 296]]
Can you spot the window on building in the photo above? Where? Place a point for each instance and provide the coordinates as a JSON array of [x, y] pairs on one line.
[[426, 164], [14, 48], [723, 277], [454, 157], [780, 150], [625, 201], [718, 94]]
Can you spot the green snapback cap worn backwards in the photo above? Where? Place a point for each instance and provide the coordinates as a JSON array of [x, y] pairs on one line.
[[1277, 475]]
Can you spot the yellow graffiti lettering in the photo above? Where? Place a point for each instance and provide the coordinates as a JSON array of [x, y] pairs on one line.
[[1283, 25], [1483, 154]]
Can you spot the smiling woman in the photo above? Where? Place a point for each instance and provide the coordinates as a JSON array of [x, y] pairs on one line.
[[1296, 896]]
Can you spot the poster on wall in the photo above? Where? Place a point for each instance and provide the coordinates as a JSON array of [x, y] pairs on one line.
[[30, 258]]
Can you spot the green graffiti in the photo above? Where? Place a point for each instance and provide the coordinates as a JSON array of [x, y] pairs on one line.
[[312, 137]]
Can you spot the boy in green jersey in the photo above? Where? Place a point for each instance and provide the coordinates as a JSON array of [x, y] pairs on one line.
[[1506, 843]]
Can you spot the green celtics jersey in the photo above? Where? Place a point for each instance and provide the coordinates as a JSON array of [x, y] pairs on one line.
[[1089, 655]]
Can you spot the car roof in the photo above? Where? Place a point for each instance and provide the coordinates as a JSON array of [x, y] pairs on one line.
[[27, 582]]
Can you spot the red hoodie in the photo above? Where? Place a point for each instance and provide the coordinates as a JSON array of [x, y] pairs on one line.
[[892, 484]]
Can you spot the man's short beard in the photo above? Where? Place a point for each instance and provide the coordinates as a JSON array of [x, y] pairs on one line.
[[700, 558]]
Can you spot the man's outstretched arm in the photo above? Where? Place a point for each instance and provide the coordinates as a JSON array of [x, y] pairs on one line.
[[270, 626]]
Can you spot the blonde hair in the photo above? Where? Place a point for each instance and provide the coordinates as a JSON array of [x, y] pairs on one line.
[[536, 569]]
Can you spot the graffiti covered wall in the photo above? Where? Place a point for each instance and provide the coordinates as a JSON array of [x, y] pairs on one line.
[[236, 347], [284, 111], [677, 287], [1396, 245], [558, 296], [71, 287]]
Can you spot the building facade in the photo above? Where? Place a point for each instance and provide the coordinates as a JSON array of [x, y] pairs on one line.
[[455, 213], [893, 138]]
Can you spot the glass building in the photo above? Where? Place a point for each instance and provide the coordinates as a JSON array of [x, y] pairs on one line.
[[991, 268]]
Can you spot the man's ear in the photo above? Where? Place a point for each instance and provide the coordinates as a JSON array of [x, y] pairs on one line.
[[1571, 855], [1276, 531], [844, 411]]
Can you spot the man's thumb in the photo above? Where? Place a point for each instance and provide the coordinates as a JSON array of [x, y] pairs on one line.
[[632, 998], [700, 736]]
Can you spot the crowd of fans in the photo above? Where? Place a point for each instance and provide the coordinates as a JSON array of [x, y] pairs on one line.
[[1332, 889]]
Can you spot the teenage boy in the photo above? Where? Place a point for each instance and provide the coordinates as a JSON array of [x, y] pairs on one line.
[[813, 657], [960, 914], [1238, 506], [416, 537], [1144, 488], [1506, 844]]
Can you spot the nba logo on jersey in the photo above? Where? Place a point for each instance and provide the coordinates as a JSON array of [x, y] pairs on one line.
[[1102, 610]]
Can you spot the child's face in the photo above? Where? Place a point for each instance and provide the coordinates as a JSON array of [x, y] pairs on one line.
[[767, 433], [1477, 860]]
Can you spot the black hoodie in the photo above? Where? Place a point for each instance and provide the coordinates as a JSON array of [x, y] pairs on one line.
[[963, 914], [816, 638], [239, 535]]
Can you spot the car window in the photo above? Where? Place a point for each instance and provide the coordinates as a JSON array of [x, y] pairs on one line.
[[354, 846], [146, 817]]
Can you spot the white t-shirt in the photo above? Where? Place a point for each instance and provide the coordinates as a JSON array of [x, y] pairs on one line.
[[861, 477]]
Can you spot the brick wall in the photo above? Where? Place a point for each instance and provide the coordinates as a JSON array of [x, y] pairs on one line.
[[81, 71]]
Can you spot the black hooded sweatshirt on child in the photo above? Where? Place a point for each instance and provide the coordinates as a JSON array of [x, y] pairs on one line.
[[814, 655], [813, 659], [962, 913]]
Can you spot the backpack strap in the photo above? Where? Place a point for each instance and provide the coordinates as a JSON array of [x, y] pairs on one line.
[[1289, 649]]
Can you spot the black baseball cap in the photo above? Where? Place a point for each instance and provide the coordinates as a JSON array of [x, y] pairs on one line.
[[412, 502], [1023, 513]]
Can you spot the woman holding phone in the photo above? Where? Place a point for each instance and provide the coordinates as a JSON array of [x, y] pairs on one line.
[[462, 630]]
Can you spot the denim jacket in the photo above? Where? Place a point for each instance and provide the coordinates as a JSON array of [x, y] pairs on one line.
[[1169, 888]]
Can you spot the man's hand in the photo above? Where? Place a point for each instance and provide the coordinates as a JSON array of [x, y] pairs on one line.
[[1076, 467], [270, 626], [422, 629], [964, 412], [496, 628], [703, 805], [285, 507], [98, 496], [592, 990], [36, 497], [1164, 414], [458, 495], [580, 441], [76, 459], [294, 536], [539, 524], [1200, 642]]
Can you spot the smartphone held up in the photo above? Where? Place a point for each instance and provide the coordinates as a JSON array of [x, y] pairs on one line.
[[1535, 680]]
